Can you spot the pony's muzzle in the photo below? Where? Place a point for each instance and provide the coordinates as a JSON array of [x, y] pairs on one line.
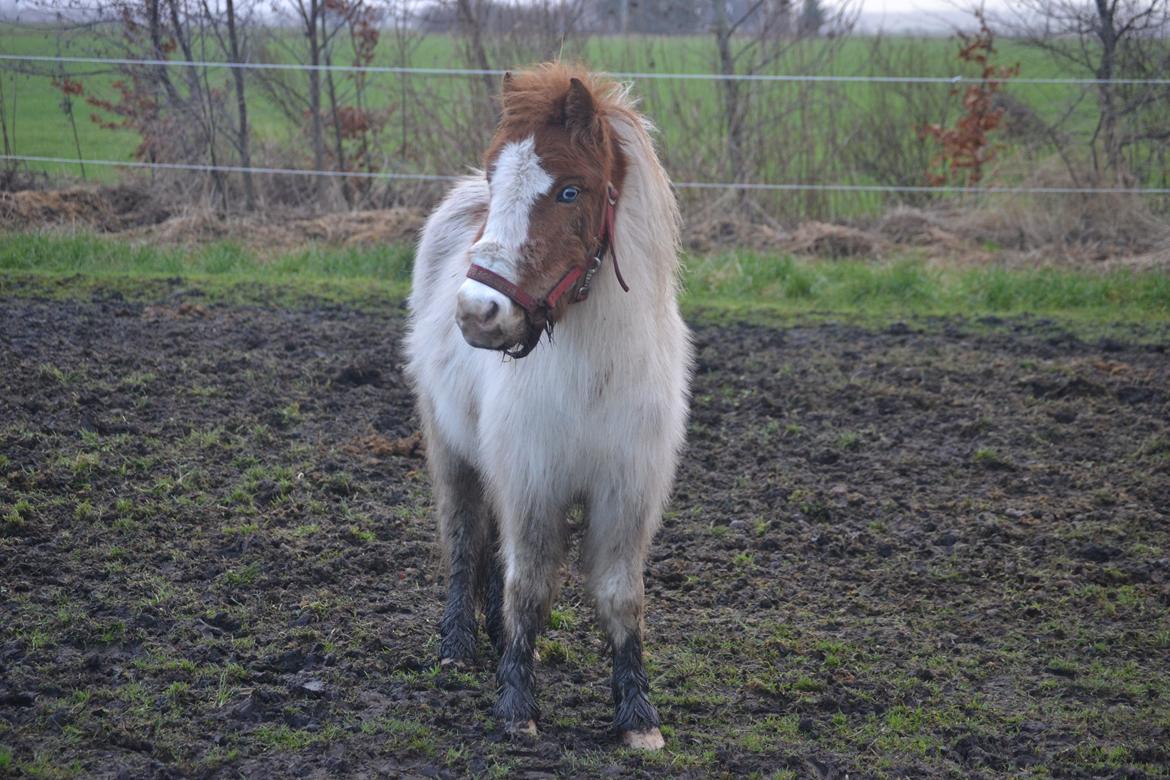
[[487, 318]]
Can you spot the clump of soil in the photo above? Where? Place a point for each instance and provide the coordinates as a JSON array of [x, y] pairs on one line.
[[932, 549]]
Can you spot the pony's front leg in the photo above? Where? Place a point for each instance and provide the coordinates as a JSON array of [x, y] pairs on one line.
[[532, 552], [615, 552], [465, 527]]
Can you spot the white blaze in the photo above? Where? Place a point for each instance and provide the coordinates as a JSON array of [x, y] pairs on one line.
[[518, 180]]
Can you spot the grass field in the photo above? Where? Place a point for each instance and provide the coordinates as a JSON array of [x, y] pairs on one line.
[[733, 284], [680, 109]]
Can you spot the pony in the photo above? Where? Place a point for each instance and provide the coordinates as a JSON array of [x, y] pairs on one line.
[[520, 429]]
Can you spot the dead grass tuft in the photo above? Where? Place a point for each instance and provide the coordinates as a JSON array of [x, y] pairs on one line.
[[1017, 230], [107, 209], [836, 241], [1098, 226], [707, 235], [282, 231], [374, 446]]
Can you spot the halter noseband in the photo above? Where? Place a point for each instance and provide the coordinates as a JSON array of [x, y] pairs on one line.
[[539, 310]]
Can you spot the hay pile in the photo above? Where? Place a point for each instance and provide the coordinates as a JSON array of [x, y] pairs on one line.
[[106, 209]]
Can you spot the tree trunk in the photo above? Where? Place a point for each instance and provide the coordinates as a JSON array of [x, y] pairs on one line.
[[335, 117], [154, 24], [241, 108], [201, 96], [318, 132], [1107, 33], [732, 110], [473, 33]]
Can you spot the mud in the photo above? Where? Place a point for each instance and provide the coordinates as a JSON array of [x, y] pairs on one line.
[[937, 548]]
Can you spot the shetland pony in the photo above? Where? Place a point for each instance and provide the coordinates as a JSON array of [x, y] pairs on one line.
[[518, 428]]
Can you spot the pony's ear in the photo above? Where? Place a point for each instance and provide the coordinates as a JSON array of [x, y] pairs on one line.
[[580, 110], [506, 85]]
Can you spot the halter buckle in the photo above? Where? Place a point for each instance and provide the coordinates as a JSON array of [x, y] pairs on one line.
[[587, 279]]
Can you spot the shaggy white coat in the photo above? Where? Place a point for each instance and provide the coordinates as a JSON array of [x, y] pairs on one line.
[[597, 416]]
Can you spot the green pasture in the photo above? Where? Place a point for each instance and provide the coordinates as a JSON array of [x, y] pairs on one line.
[[740, 285], [681, 109]]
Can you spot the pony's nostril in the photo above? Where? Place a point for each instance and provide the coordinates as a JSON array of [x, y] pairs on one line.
[[491, 311]]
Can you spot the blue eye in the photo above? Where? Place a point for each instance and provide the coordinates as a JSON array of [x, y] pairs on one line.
[[568, 195]]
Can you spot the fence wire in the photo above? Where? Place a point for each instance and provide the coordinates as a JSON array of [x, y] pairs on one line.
[[682, 185], [635, 75]]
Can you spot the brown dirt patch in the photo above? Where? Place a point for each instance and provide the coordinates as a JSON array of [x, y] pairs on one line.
[[932, 549]]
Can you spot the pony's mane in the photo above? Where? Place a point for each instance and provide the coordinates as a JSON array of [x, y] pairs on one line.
[[536, 96]]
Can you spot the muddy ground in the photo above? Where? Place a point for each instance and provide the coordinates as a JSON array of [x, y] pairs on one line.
[[934, 548]]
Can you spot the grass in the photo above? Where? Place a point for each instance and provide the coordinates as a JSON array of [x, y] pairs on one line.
[[41, 127], [745, 285], [908, 286]]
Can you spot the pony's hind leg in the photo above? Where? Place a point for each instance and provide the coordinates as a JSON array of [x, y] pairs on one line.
[[614, 554], [465, 524]]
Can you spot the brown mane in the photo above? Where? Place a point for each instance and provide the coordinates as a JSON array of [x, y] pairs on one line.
[[536, 97]]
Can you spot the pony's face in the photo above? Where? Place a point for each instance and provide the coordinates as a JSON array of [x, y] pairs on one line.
[[548, 180]]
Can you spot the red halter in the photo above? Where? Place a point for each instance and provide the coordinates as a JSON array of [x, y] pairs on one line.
[[540, 309]]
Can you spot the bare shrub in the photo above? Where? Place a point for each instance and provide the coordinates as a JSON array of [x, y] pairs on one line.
[[1120, 43]]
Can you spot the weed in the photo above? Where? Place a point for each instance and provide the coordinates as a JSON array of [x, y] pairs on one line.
[[848, 441], [553, 651], [360, 535], [282, 737], [242, 576], [991, 459], [1062, 667], [50, 373], [290, 415], [744, 560], [562, 618], [808, 685], [20, 511]]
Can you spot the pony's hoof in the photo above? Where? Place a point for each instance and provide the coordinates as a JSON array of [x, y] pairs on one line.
[[522, 728], [455, 663], [647, 739]]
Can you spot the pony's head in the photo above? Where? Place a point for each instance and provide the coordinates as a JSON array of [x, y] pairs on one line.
[[554, 169]]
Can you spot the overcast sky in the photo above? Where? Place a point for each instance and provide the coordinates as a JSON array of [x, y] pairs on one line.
[[925, 15], [936, 16]]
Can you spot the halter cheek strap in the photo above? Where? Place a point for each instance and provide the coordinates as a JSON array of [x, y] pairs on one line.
[[579, 276]]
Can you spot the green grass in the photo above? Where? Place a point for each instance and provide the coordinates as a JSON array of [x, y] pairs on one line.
[[742, 284], [679, 108], [745, 281], [223, 271]]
